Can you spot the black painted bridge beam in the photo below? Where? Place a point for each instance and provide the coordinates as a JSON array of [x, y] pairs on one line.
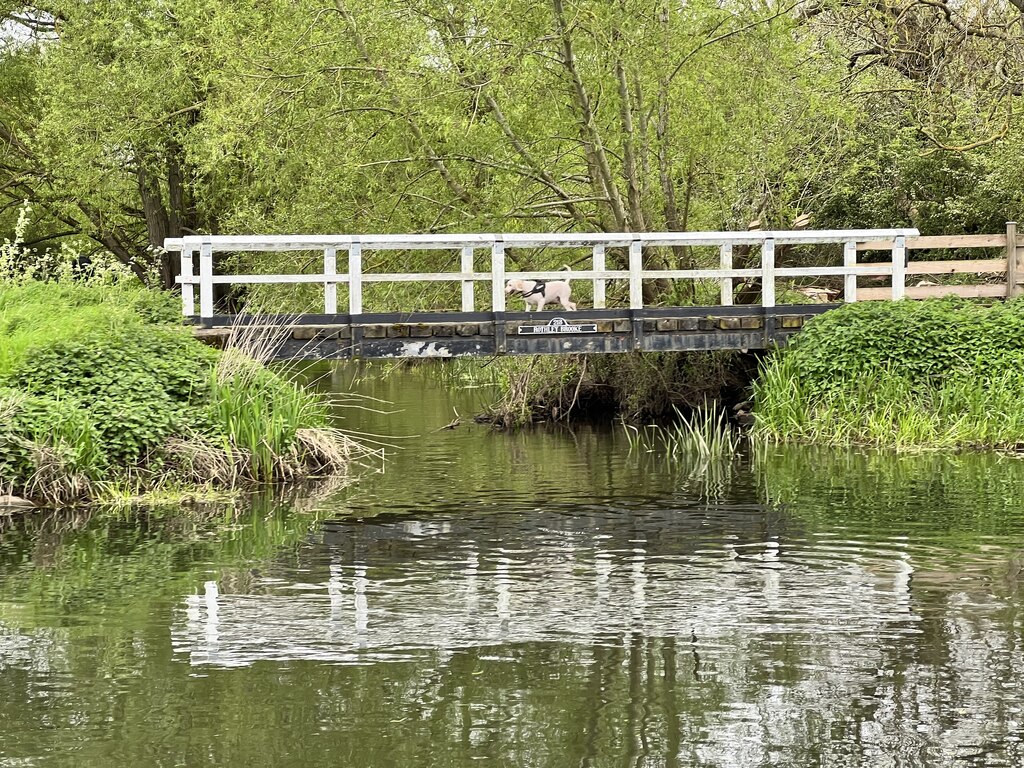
[[484, 334]]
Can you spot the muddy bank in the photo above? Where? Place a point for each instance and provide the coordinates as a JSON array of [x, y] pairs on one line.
[[635, 387]]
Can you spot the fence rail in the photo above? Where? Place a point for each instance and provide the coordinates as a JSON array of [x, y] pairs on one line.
[[898, 243]]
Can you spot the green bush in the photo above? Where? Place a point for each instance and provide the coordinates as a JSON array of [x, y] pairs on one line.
[[923, 341], [34, 314], [937, 373], [137, 382], [101, 384]]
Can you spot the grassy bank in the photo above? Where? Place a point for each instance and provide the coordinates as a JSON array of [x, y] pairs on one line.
[[939, 374], [103, 390]]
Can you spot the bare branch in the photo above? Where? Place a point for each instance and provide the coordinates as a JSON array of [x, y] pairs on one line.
[[963, 147], [588, 124]]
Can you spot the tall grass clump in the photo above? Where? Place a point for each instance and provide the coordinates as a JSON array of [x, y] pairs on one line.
[[702, 443], [705, 434], [940, 373], [101, 386]]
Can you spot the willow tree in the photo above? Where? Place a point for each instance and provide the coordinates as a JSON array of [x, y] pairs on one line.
[[110, 91], [153, 118], [937, 85], [583, 114]]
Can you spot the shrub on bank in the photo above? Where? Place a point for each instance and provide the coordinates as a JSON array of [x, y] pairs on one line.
[[102, 384], [937, 373]]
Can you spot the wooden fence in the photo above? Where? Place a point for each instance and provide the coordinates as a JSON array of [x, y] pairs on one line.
[[1008, 266]]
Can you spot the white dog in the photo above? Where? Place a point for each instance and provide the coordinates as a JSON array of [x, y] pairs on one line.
[[541, 292]]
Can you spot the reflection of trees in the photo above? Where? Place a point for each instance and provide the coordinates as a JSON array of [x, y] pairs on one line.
[[868, 613], [942, 693], [622, 637]]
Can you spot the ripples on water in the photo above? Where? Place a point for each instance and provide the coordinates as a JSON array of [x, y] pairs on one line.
[[536, 599]]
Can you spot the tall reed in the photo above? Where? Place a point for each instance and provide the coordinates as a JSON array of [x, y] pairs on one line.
[[704, 434]]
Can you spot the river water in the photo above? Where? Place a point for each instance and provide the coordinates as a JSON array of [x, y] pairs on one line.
[[542, 598]]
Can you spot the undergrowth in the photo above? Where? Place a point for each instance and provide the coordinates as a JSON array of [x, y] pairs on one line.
[[638, 386], [940, 374], [101, 387]]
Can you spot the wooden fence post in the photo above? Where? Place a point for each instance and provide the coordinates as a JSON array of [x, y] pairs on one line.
[[330, 284], [1012, 271], [725, 262], [850, 281], [636, 283], [768, 273], [498, 276], [599, 283], [899, 268], [355, 278], [206, 279], [188, 291], [468, 300]]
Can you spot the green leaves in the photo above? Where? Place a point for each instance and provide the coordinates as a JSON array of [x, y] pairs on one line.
[[940, 373], [92, 389], [135, 382]]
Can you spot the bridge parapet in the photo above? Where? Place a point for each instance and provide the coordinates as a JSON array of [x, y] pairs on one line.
[[478, 334], [205, 246]]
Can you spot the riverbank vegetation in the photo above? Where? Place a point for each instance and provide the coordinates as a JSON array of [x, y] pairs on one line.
[[655, 385], [124, 123], [940, 374], [102, 390]]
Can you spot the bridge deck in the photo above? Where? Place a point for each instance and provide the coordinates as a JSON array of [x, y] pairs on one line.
[[482, 334]]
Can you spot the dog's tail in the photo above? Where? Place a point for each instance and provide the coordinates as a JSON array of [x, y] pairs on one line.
[[567, 268]]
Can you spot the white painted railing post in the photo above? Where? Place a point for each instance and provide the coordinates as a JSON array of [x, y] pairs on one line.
[[725, 262], [768, 273], [498, 276], [899, 268], [355, 278], [206, 280], [850, 280], [330, 281], [468, 301], [188, 290], [636, 285], [599, 282]]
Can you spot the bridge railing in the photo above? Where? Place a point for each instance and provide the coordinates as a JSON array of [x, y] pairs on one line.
[[495, 245]]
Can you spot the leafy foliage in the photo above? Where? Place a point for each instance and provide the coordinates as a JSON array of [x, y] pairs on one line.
[[939, 373], [921, 341], [92, 389], [137, 383], [38, 432]]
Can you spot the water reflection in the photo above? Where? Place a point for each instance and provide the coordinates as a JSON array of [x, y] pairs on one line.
[[552, 601], [759, 649], [378, 586]]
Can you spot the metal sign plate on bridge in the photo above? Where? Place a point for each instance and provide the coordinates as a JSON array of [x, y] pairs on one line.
[[557, 326]]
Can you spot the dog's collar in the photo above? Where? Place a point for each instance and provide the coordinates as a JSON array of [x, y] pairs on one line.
[[538, 287]]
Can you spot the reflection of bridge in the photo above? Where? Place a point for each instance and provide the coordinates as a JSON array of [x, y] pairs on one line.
[[483, 326], [563, 589]]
